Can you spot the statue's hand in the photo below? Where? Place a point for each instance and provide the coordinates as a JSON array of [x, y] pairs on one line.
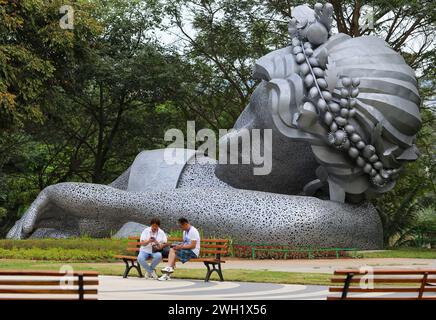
[[26, 224]]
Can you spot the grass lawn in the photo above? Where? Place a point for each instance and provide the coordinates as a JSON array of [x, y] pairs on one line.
[[117, 269], [415, 253]]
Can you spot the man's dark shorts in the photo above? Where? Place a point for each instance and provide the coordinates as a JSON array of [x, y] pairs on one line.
[[185, 255]]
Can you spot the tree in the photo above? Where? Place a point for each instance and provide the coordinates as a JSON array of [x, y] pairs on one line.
[[125, 74], [105, 100], [221, 40], [33, 49]]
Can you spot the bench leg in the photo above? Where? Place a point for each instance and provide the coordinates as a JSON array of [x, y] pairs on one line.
[[209, 272], [129, 267], [347, 286], [214, 268], [220, 272], [127, 270], [138, 267]]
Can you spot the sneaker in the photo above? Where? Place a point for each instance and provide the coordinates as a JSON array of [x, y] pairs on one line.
[[167, 270], [165, 277], [153, 275], [148, 276]]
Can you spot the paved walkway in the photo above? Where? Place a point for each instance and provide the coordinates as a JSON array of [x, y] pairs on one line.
[[319, 265], [140, 289], [116, 288]]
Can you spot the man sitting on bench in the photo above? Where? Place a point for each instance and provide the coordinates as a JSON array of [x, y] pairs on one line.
[[189, 249], [154, 239]]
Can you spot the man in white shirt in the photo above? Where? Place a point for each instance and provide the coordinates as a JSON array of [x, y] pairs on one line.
[[153, 240], [189, 249]]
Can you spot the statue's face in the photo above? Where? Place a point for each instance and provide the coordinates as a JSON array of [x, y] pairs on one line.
[[360, 143], [293, 164]]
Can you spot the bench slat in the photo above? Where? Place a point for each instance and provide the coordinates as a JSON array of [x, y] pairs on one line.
[[46, 273], [133, 258], [387, 272], [127, 257], [45, 282], [362, 290], [46, 298], [214, 246], [201, 260], [48, 291], [202, 252], [380, 280], [382, 298], [171, 239], [134, 245], [213, 252]]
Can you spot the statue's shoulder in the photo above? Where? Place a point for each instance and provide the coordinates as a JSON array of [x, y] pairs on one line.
[[278, 64], [158, 169]]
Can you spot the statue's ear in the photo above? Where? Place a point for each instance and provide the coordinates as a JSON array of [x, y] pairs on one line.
[[278, 64], [410, 154]]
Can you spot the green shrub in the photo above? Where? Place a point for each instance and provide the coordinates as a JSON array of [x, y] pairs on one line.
[[73, 243], [75, 249], [57, 254]]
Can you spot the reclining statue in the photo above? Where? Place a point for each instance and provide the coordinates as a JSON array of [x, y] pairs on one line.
[[344, 114]]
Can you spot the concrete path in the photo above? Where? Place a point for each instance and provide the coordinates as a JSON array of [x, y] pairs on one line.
[[116, 288], [319, 265]]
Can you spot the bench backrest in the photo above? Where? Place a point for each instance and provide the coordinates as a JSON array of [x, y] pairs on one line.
[[48, 285], [208, 247], [406, 284]]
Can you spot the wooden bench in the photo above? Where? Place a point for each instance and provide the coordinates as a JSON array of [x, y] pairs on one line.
[[406, 284], [211, 252], [48, 285]]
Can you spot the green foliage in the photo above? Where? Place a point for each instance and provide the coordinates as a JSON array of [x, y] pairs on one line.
[[229, 37], [68, 244], [414, 192], [98, 88], [32, 48], [3, 212], [80, 249]]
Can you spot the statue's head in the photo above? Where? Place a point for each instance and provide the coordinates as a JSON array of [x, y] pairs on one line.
[[354, 101]]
